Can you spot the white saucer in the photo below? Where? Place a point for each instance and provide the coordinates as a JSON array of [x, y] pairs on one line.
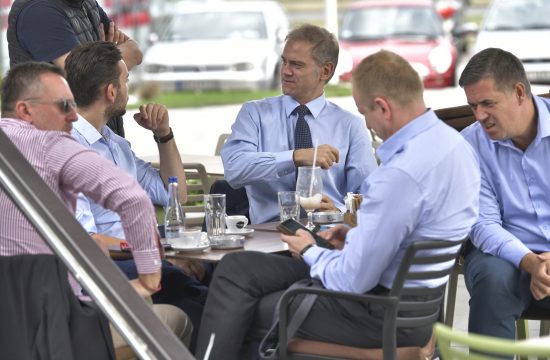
[[245, 231], [191, 250], [204, 244]]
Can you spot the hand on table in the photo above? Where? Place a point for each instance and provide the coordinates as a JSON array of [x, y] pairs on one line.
[[327, 204]]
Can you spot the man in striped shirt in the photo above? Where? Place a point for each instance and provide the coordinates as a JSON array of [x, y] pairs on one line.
[[35, 97]]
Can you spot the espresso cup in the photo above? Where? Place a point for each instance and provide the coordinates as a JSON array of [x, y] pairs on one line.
[[236, 223]]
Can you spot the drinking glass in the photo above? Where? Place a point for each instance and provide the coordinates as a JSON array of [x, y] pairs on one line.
[[309, 187], [214, 211], [289, 205]]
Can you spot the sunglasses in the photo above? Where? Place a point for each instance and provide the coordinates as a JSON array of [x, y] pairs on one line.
[[64, 105]]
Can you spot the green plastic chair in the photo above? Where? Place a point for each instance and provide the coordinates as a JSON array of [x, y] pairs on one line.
[[487, 345]]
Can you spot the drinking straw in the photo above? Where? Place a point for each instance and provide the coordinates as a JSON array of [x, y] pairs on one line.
[[313, 166], [209, 348]]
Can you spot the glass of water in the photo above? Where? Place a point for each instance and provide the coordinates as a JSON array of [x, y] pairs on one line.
[[289, 205], [214, 212]]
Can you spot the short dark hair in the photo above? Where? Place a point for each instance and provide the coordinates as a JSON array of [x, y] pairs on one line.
[[21, 80], [91, 66], [325, 48], [502, 66]]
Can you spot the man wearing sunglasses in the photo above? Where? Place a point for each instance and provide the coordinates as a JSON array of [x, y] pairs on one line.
[[36, 97], [97, 75]]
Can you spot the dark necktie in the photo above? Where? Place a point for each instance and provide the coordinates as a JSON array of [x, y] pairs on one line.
[[302, 134]]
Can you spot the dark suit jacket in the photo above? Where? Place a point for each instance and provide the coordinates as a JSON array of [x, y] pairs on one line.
[[41, 318]]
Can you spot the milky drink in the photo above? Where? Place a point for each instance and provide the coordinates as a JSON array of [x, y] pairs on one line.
[[311, 203]]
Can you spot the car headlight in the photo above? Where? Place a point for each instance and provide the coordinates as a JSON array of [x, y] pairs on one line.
[[242, 66], [440, 59], [155, 68]]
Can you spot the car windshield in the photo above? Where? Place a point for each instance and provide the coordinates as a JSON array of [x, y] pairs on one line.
[[216, 26], [388, 22], [518, 15]]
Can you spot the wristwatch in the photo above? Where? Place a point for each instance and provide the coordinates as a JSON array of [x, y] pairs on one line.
[[165, 138]]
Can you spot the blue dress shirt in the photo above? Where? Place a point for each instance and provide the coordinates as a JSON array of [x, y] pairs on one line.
[[514, 214], [93, 217], [258, 154], [427, 187]]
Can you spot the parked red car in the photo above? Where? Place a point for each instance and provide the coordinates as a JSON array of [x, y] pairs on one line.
[[410, 28]]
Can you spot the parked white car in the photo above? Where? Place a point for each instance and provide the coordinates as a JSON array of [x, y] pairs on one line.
[[521, 27], [219, 45]]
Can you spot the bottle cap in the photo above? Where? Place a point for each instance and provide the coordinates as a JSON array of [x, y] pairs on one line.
[[172, 179]]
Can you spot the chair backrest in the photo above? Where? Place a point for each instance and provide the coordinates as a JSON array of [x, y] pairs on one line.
[[437, 254], [479, 347], [221, 141], [198, 185]]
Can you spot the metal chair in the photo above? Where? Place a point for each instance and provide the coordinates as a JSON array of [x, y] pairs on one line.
[[480, 347], [396, 301]]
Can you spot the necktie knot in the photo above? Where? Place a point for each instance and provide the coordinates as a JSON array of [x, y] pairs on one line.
[[302, 111]]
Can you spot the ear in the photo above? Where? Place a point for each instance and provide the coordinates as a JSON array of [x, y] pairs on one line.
[[519, 90], [326, 71], [384, 106], [110, 92], [23, 112]]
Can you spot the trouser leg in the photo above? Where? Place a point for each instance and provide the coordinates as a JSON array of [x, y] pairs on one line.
[[240, 280], [499, 293], [175, 319]]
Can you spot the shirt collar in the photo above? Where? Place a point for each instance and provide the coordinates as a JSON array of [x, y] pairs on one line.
[[397, 142], [88, 131], [315, 106]]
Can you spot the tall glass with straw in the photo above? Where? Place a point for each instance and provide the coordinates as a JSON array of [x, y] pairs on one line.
[[309, 187]]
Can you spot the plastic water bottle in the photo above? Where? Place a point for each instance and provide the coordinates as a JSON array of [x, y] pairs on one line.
[[174, 218]]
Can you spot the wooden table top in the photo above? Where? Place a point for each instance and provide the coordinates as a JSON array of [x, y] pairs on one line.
[[265, 238]]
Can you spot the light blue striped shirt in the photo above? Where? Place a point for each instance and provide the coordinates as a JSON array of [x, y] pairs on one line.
[[515, 192], [93, 217], [258, 154], [427, 187]]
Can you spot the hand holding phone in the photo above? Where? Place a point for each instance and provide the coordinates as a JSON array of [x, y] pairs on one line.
[[290, 226]]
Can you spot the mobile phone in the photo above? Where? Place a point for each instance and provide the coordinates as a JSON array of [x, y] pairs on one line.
[[290, 226]]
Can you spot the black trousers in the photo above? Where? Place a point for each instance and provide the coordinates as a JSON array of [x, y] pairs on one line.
[[245, 290]]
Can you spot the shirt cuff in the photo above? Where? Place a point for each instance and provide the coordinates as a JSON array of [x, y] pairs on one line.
[[284, 163], [312, 254], [147, 261], [514, 251]]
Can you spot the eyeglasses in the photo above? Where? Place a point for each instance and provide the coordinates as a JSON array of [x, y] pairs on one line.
[[64, 105]]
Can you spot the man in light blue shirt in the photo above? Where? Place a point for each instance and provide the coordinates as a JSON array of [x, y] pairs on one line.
[[98, 78], [508, 270], [262, 155], [427, 187]]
